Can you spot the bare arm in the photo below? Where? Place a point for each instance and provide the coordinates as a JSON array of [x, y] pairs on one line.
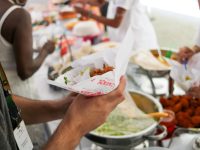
[[80, 115], [66, 137], [22, 44], [36, 111], [115, 22]]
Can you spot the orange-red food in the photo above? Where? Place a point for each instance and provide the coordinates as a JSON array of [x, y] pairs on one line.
[[177, 107], [95, 72], [68, 15], [195, 120], [197, 111], [186, 109]]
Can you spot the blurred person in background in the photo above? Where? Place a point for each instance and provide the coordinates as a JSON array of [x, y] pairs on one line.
[[121, 14], [80, 115], [104, 11], [185, 53], [16, 47]]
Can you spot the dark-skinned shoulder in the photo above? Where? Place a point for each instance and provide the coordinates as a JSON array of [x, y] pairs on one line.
[[22, 17], [19, 18]]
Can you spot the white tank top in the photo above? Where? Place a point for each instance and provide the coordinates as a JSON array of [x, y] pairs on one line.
[[23, 88], [7, 58]]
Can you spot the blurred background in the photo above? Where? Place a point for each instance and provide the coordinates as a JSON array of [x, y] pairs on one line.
[[176, 23]]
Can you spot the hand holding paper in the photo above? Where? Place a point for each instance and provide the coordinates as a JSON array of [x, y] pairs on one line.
[[80, 80]]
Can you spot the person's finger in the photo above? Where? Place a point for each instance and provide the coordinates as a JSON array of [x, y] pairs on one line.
[[73, 94], [118, 92], [122, 84]]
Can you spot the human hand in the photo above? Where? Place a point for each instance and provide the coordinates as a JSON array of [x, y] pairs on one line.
[[194, 92], [49, 47], [64, 103], [185, 53], [81, 10], [87, 113]]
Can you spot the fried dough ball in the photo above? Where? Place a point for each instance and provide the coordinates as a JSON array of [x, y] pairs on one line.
[[175, 99], [177, 107], [190, 111], [194, 103], [165, 102], [196, 121], [183, 119], [197, 111], [186, 109], [185, 103]]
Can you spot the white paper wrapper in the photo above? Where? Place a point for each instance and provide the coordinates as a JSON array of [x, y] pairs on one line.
[[187, 76], [79, 79], [146, 60]]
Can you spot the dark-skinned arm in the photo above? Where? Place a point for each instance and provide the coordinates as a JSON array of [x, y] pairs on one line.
[[22, 44], [115, 22]]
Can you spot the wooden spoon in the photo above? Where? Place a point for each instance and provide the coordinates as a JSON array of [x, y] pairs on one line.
[[161, 58], [158, 115], [153, 115]]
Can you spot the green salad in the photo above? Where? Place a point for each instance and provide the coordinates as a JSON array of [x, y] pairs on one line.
[[118, 124]]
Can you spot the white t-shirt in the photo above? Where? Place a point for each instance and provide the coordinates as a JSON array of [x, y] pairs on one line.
[[145, 37]]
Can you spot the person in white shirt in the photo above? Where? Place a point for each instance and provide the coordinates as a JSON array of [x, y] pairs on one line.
[[122, 14], [185, 53]]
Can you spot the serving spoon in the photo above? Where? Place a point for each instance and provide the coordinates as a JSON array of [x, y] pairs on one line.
[[156, 115], [161, 58]]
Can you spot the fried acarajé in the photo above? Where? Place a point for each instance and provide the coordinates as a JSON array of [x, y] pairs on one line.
[[195, 121], [183, 119], [186, 109], [197, 111], [105, 69]]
